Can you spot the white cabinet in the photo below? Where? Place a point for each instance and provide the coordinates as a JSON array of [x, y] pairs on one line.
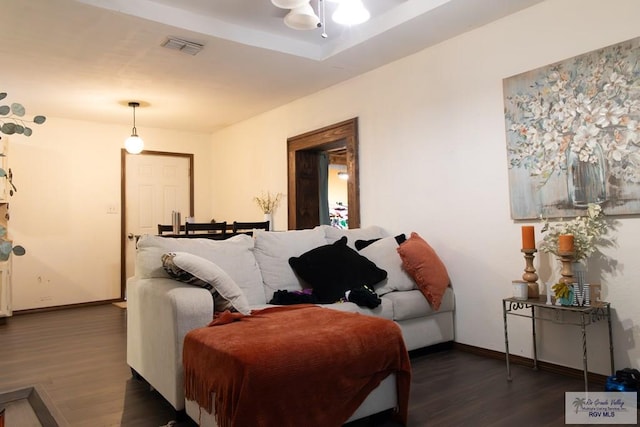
[[5, 289]]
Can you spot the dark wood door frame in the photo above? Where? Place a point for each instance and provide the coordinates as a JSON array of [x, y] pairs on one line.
[[123, 203], [343, 135]]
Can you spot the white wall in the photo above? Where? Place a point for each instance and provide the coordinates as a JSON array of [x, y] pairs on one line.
[[433, 160], [253, 162], [67, 174]]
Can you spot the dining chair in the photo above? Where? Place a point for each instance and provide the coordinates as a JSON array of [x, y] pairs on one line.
[[248, 227], [218, 228], [168, 229]]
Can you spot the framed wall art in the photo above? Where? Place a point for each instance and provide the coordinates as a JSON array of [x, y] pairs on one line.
[[573, 135]]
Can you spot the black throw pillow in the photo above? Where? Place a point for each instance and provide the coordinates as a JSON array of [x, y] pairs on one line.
[[331, 270], [282, 297], [361, 244], [364, 297]]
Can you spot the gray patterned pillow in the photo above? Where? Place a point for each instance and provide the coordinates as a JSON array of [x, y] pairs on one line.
[[197, 271]]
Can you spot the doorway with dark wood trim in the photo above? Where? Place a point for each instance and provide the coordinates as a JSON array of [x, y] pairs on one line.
[[303, 152]]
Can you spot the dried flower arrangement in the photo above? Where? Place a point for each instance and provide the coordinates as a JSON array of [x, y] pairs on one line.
[[268, 202]]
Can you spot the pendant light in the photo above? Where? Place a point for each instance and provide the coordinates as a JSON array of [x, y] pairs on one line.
[[134, 144]]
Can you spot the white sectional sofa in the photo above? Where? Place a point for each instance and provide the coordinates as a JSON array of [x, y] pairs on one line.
[[160, 310]]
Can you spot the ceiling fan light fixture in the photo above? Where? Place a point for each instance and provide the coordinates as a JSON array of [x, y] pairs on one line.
[[302, 18], [351, 12], [289, 4]]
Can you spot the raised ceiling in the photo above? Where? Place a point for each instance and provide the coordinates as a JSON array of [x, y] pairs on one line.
[[85, 59]]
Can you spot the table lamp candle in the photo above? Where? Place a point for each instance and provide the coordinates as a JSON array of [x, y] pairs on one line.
[[528, 237], [565, 243]]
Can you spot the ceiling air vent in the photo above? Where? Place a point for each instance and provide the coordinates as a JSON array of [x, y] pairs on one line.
[[184, 46]]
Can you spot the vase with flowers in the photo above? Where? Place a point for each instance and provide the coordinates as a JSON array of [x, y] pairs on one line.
[[267, 203], [586, 232]]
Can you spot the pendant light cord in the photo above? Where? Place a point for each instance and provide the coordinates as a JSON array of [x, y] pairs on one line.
[[321, 11], [134, 130]]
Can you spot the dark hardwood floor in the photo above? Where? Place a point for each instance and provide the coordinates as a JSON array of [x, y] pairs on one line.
[[78, 356]]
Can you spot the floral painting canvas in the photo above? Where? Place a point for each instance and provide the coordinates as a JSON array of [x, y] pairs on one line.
[[573, 135]]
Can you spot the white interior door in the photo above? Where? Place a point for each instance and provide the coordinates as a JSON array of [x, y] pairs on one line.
[[156, 185]]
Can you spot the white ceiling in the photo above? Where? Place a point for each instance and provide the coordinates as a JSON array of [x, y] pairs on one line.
[[85, 59]]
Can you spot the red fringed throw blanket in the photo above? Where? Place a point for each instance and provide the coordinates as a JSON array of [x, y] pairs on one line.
[[293, 366]]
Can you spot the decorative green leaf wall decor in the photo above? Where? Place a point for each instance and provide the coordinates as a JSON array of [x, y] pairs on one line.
[[12, 121]]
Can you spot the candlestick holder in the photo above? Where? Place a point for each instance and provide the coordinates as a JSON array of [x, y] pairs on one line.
[[566, 258], [530, 275]]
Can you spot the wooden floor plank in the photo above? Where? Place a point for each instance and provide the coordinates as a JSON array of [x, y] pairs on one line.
[[79, 357]]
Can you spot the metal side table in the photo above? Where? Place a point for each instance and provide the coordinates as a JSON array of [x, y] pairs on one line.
[[587, 315]]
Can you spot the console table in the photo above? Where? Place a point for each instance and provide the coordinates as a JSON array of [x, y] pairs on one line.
[[536, 309]]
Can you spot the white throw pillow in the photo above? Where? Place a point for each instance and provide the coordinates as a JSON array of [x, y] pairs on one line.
[[177, 263], [234, 255], [273, 250], [384, 254], [333, 234]]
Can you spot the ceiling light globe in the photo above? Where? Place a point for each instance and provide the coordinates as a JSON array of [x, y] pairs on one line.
[[289, 4], [302, 18], [351, 12], [134, 144]]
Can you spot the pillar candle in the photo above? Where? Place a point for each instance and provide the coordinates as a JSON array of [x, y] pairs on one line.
[[528, 238], [565, 243]]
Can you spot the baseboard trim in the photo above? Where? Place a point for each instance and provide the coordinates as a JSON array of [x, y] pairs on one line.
[[66, 306], [525, 361], [434, 348]]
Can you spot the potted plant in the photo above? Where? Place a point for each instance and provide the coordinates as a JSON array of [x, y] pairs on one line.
[[563, 293]]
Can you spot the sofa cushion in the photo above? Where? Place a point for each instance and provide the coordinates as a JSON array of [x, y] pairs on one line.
[[384, 253], [333, 234], [413, 305], [234, 255], [273, 250], [335, 268], [197, 271], [425, 267], [384, 310]]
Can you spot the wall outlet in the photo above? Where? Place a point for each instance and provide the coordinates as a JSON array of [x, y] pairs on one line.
[[112, 209], [42, 280]]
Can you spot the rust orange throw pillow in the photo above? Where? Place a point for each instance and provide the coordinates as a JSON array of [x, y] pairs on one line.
[[425, 267]]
